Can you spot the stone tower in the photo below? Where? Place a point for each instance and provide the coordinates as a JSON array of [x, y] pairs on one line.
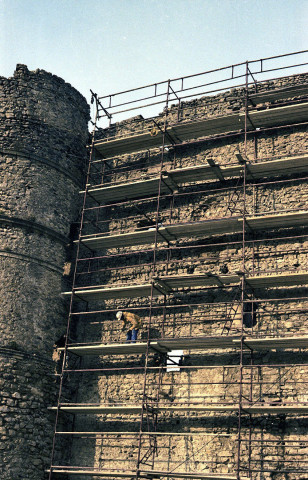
[[43, 135]]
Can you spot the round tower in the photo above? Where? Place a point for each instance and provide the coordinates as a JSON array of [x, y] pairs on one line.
[[43, 133]]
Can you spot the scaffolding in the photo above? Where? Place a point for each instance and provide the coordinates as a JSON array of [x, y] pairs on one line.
[[132, 228]]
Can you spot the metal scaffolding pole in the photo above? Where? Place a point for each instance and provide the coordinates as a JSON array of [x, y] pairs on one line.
[[167, 254]]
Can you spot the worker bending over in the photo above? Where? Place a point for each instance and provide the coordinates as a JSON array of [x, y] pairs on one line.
[[132, 323]]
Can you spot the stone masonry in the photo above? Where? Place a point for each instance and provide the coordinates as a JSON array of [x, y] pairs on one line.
[[43, 135], [192, 441], [43, 155]]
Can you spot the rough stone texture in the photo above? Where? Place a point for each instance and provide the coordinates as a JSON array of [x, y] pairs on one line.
[[206, 442], [27, 389], [43, 136], [225, 103]]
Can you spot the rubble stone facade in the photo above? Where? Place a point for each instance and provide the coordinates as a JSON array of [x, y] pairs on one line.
[[43, 133], [191, 441]]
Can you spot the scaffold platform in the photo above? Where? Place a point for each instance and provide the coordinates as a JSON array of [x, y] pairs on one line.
[[279, 94], [216, 226], [167, 345], [165, 285], [179, 176], [144, 474], [124, 409], [182, 131]]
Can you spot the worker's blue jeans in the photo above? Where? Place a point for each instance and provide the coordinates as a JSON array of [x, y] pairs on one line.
[[131, 336]]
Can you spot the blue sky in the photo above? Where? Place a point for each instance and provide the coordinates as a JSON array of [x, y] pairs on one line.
[[111, 45]]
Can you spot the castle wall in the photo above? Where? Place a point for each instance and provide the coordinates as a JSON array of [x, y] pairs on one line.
[[43, 137], [43, 133], [195, 441]]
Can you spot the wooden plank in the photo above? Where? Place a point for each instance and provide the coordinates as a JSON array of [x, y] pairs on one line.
[[202, 128], [279, 93], [134, 409], [164, 345], [281, 280], [216, 226], [136, 189], [212, 126], [207, 279], [127, 144], [282, 166], [287, 165], [201, 475], [123, 291], [274, 342], [116, 349], [276, 409], [180, 281], [125, 191], [184, 131], [99, 409], [279, 115], [174, 282], [198, 343], [166, 233], [199, 408], [291, 219], [93, 473], [168, 344], [139, 237], [143, 474]]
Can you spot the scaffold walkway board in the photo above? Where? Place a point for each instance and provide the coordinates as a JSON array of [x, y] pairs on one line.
[[282, 280], [173, 178], [122, 291], [194, 343], [268, 343], [93, 473], [217, 226], [279, 94], [136, 189], [174, 282], [144, 290], [182, 131], [201, 475], [87, 409], [162, 346], [165, 285], [171, 283], [143, 474]]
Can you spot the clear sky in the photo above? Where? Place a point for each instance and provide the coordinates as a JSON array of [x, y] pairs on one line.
[[111, 45]]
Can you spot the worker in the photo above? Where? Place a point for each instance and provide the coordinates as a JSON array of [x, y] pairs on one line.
[[132, 323], [58, 353]]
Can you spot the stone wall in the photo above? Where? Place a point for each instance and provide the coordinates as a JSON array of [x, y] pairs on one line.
[[43, 132], [189, 440], [225, 103]]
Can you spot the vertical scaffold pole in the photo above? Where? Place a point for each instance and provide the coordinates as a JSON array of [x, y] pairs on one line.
[[68, 327], [243, 282], [144, 409]]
